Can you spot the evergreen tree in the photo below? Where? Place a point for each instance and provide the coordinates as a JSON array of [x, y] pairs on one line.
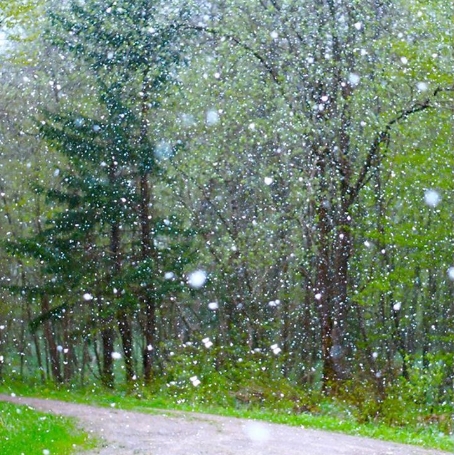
[[109, 185]]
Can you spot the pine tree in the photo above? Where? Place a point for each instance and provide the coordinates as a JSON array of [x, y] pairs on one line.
[[129, 53]]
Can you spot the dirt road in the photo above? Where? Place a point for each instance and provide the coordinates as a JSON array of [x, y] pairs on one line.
[[182, 433]]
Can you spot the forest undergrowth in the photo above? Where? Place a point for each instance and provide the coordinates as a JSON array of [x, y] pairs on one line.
[[408, 411]]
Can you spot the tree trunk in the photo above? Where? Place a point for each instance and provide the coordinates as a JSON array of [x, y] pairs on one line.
[[331, 288], [322, 295], [107, 341], [123, 323], [147, 251], [150, 323], [124, 327], [36, 344], [67, 367], [50, 340], [148, 298], [107, 375]]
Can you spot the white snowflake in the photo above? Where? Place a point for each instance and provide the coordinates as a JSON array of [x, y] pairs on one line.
[[268, 180], [432, 198], [197, 279], [212, 117], [451, 273]]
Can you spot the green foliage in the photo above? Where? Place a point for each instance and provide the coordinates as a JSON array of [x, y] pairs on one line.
[[313, 410], [423, 401], [16, 14], [246, 133], [23, 430], [218, 376], [124, 37]]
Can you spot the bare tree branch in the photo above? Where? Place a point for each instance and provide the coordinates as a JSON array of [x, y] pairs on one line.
[[268, 67], [383, 137]]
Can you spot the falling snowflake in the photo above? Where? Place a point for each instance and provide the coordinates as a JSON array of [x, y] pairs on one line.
[[197, 279], [212, 117], [256, 432], [422, 86], [353, 79], [207, 342], [163, 151], [451, 273], [268, 180], [432, 198]]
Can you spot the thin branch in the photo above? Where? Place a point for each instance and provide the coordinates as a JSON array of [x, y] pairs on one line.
[[383, 137], [269, 68], [208, 200]]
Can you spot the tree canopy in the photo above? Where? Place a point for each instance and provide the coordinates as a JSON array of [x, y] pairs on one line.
[[261, 190]]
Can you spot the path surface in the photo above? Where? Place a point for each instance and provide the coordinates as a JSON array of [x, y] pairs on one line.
[[184, 433]]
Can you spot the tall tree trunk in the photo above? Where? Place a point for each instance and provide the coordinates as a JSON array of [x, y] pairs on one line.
[[107, 342], [123, 322], [150, 323], [124, 327], [67, 367], [36, 344], [148, 296], [331, 288], [322, 290], [147, 251], [50, 340], [322, 295]]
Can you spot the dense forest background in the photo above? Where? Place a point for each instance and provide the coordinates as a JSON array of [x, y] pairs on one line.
[[242, 196]]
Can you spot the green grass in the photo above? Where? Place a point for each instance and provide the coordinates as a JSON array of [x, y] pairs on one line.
[[25, 431], [333, 416]]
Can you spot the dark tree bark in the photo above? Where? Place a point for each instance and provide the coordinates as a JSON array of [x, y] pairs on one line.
[[49, 335], [123, 321], [147, 250]]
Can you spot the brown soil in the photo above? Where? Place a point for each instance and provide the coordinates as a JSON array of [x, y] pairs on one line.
[[184, 433]]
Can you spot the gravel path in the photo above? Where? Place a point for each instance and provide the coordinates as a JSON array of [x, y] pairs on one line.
[[184, 433]]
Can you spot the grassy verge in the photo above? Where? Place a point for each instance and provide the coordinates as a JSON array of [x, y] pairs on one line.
[[23, 430], [332, 418]]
